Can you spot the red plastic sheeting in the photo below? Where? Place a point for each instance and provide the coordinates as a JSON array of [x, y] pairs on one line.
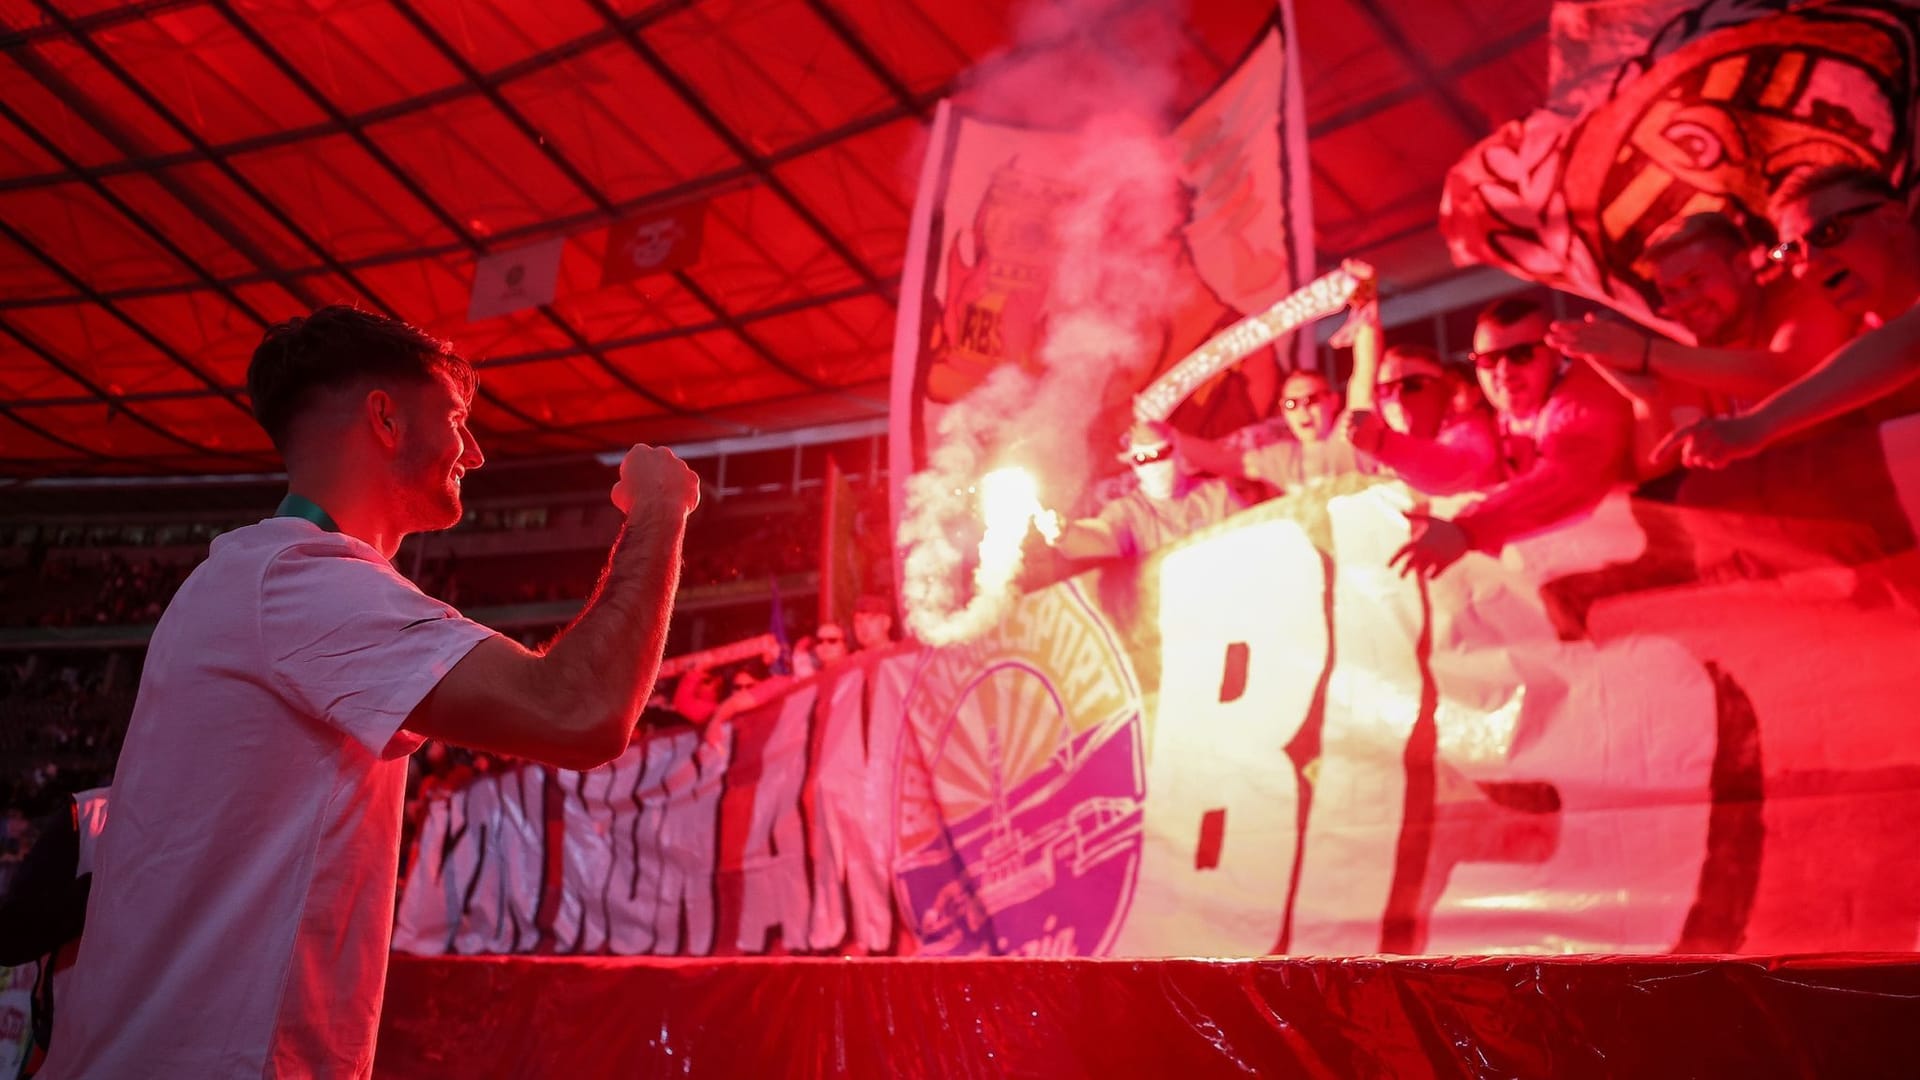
[[1483, 1017]]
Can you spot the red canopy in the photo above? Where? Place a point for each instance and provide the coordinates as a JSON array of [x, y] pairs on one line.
[[177, 174]]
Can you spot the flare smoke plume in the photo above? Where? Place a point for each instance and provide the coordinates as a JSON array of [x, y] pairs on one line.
[[1117, 249]]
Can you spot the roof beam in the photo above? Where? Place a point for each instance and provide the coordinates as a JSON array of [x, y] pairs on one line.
[[715, 183], [129, 144], [199, 271], [74, 281], [1469, 117], [1480, 57], [99, 20], [83, 451], [192, 139], [708, 186], [539, 61], [692, 100], [115, 403], [869, 59], [653, 337], [234, 176], [414, 188], [600, 201]]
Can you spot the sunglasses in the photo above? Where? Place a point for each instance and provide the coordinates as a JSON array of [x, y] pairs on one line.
[[834, 640], [1524, 353], [1409, 384], [1293, 404], [1148, 457], [1826, 232]]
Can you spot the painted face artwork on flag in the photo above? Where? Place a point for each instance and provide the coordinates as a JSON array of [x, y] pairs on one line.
[[1709, 107]]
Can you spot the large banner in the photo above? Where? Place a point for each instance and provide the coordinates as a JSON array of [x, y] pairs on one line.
[[1661, 727], [1664, 108], [1092, 260]]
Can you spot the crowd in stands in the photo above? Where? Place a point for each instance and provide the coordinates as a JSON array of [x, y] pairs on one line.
[[67, 588], [121, 593], [752, 547], [62, 717], [1559, 412]]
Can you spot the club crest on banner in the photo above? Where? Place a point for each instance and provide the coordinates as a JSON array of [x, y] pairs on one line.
[[1018, 824], [995, 305]]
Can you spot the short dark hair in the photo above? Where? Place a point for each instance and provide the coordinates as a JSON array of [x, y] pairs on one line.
[[334, 346], [1709, 227], [1507, 311], [1862, 178], [1416, 352]]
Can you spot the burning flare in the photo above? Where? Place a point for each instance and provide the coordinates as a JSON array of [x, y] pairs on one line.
[[1008, 499]]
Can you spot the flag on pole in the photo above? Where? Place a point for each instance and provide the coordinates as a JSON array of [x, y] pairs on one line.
[[839, 554], [777, 626], [514, 280], [654, 244]]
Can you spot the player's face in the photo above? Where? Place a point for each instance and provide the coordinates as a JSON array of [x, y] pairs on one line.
[[1514, 365], [1309, 405], [1707, 291], [436, 451], [1413, 394], [1839, 239]]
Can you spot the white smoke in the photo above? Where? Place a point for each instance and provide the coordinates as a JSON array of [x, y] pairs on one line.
[[1117, 252]]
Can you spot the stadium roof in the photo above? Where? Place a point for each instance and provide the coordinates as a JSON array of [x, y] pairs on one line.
[[177, 174]]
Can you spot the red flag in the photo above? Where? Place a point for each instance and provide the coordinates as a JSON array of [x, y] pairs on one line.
[[653, 244]]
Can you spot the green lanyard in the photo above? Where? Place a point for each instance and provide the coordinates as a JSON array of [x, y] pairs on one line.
[[302, 507]]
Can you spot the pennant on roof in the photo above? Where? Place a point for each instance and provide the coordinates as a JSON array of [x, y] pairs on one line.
[[654, 244], [509, 281]]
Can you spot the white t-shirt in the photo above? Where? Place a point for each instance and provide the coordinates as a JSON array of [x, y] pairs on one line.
[[242, 897]]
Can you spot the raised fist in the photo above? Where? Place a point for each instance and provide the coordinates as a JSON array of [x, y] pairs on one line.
[[653, 480], [1364, 429], [1367, 289]]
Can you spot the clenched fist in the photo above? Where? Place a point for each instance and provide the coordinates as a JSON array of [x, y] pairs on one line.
[[1364, 429], [653, 481]]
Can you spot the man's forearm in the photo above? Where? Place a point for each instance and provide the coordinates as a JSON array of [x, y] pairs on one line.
[[1090, 538], [1551, 493], [1873, 366], [1745, 373], [611, 654], [1431, 466], [1367, 348]]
